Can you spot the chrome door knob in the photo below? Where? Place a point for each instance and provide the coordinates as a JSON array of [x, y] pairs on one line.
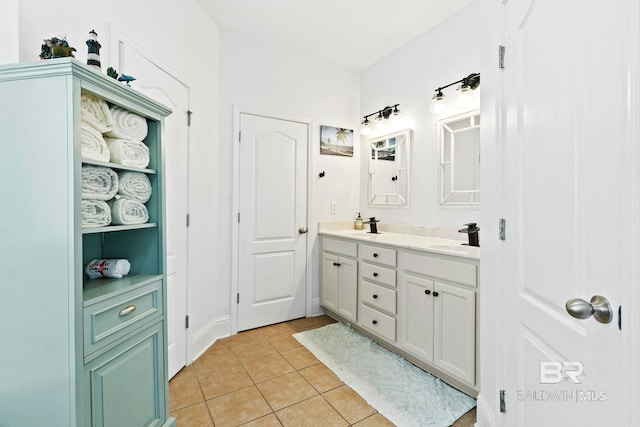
[[302, 230], [599, 308]]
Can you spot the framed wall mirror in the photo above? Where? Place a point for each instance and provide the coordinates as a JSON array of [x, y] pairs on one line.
[[389, 169], [459, 149]]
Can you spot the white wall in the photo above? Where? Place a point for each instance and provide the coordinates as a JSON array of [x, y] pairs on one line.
[[266, 79], [181, 36], [408, 76], [9, 32]]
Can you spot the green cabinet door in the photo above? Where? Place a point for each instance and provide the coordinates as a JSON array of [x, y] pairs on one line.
[[126, 384]]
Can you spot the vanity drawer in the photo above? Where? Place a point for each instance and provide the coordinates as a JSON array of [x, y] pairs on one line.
[[383, 275], [457, 272], [378, 255], [378, 296], [113, 318], [377, 322], [341, 247]]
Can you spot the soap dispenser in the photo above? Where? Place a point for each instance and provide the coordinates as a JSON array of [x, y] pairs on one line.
[[358, 225]]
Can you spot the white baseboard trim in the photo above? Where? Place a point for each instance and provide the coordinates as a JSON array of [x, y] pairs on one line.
[[484, 415], [316, 310], [207, 335]]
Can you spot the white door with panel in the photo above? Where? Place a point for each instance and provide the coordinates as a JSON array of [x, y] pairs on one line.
[[155, 82], [570, 182], [273, 221], [340, 285]]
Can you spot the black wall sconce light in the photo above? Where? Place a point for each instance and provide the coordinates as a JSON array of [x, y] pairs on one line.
[[380, 122], [467, 84]]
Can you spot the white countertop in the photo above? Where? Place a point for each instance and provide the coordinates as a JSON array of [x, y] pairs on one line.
[[409, 241]]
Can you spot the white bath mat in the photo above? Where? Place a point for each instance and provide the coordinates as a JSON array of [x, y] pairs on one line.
[[402, 392]]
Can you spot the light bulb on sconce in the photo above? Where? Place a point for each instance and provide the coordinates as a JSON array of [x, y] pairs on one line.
[[385, 118], [464, 94]]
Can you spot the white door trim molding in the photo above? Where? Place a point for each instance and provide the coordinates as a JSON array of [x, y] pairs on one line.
[[311, 223]]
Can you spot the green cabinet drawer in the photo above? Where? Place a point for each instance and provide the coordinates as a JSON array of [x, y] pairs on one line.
[[110, 319]]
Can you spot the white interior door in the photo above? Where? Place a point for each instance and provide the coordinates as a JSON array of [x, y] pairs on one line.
[[273, 221], [567, 203], [155, 82]]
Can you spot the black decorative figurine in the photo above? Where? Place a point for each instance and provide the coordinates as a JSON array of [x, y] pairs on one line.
[[93, 57]]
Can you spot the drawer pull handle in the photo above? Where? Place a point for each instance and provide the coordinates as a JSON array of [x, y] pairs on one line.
[[427, 291], [375, 296], [375, 322], [375, 255], [128, 310], [375, 274], [337, 264], [435, 294]]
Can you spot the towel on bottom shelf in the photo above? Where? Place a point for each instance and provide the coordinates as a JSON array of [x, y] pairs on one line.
[[111, 268], [93, 146], [134, 185], [128, 152], [95, 213], [98, 183], [126, 211]]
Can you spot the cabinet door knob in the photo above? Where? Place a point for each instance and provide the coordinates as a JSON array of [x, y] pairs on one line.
[[435, 294], [375, 296], [427, 291], [337, 264], [128, 310], [375, 274], [375, 322], [375, 255]]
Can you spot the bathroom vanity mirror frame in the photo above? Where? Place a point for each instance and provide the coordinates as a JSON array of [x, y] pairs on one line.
[[459, 154], [389, 169]]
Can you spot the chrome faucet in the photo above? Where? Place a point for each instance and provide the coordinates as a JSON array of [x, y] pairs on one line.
[[472, 231]]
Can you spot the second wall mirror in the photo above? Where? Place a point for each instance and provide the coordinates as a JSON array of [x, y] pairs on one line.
[[389, 169], [459, 147]]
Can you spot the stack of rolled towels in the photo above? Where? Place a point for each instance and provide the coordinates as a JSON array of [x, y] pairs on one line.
[[114, 198], [110, 133]]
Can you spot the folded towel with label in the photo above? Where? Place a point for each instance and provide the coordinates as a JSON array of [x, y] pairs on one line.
[[127, 125], [95, 213], [95, 112], [92, 144], [128, 152], [111, 268], [134, 185], [98, 183], [126, 211]]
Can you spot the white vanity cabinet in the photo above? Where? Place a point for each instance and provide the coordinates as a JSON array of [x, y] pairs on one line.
[[438, 322], [417, 301], [339, 289]]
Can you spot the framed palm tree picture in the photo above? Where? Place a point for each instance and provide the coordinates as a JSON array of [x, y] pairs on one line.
[[336, 141]]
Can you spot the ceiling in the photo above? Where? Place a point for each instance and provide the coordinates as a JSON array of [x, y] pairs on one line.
[[350, 33]]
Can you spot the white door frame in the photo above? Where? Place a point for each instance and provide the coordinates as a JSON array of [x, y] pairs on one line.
[[311, 223]]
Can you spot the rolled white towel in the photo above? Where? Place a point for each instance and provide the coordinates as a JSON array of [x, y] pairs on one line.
[[128, 152], [92, 143], [98, 183], [112, 268], [134, 185], [128, 212], [127, 125], [95, 112], [95, 213]]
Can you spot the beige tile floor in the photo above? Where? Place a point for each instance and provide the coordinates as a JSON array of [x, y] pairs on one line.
[[264, 377]]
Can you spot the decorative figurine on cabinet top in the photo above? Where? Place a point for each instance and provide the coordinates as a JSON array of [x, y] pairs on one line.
[[93, 57], [111, 72], [56, 48], [126, 79]]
